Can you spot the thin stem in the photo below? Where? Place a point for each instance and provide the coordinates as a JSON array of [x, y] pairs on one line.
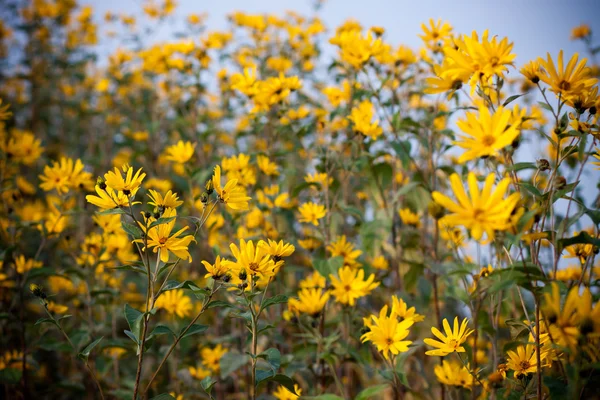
[[180, 336]]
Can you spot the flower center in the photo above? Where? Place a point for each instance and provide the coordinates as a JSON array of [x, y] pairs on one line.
[[347, 288], [564, 85], [524, 365], [453, 343], [253, 266], [494, 61], [162, 240], [477, 213], [389, 341], [488, 140]]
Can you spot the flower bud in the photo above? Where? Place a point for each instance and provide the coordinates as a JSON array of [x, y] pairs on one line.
[[243, 275], [560, 182], [209, 187], [435, 210], [543, 164]]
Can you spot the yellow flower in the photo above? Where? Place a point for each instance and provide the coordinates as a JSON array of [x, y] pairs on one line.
[[311, 213], [175, 302], [217, 270], [246, 82], [409, 218], [351, 285], [580, 32], [231, 194], [23, 265], [181, 152], [563, 320], [64, 175], [314, 280], [450, 342], [434, 34], [486, 134], [388, 334], [361, 118], [442, 82], [484, 211], [596, 155], [524, 360], [310, 301], [569, 80], [265, 165], [212, 357], [401, 310], [252, 259], [160, 237], [337, 96], [108, 198], [342, 248], [532, 71], [170, 200], [23, 147], [380, 262], [283, 394], [277, 250], [199, 373], [128, 185], [454, 374], [320, 178], [57, 308]]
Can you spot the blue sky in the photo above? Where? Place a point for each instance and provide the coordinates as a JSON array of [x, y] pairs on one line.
[[535, 26]]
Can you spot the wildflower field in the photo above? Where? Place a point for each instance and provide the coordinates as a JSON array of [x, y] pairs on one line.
[[284, 210]]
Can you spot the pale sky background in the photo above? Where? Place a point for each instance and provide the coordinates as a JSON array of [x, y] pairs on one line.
[[535, 27]]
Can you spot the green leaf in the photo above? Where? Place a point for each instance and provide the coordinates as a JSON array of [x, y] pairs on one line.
[[367, 393], [231, 362], [194, 330], [111, 211], [411, 277], [219, 303], [278, 299], [134, 319], [161, 221], [45, 321], [273, 357], [545, 105], [132, 230], [131, 336], [402, 149], [581, 238], [521, 166], [594, 216], [10, 376], [328, 267], [323, 397], [511, 99], [172, 285], [383, 172], [284, 381], [85, 353], [207, 384], [531, 189], [133, 268], [161, 330]]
